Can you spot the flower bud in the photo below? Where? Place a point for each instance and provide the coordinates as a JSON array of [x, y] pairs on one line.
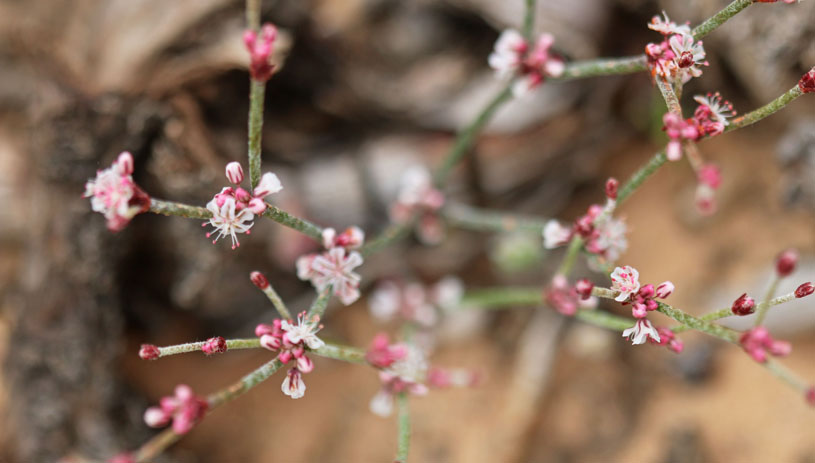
[[804, 290], [647, 291], [583, 288], [214, 345], [155, 417], [785, 262], [259, 280], [149, 352], [807, 82], [744, 305], [234, 172], [270, 342], [611, 188], [125, 163], [665, 289]]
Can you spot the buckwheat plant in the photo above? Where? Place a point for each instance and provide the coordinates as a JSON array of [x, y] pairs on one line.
[[524, 62]]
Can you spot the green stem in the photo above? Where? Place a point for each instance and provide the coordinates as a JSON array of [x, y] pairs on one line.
[[344, 353], [284, 218], [575, 245], [170, 208], [231, 344], [758, 114], [728, 312], [782, 373], [277, 302], [667, 92], [472, 218], [464, 139], [602, 67], [403, 445], [320, 303], [762, 308], [256, 95], [391, 235], [253, 14], [640, 176], [720, 18], [529, 21]]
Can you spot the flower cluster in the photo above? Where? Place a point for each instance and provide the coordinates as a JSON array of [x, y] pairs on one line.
[[114, 194], [604, 235], [625, 281], [260, 50], [407, 374], [419, 200], [667, 337], [709, 119], [566, 298], [335, 266], [757, 342], [234, 209], [513, 57], [413, 301], [678, 57], [290, 341], [216, 345], [382, 354], [184, 409]]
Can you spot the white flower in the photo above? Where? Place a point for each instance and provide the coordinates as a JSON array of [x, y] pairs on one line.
[[382, 403], [720, 110], [555, 234], [227, 222], [447, 293], [114, 194], [689, 56], [640, 332], [668, 27], [385, 301], [293, 386], [335, 268], [625, 280], [304, 330], [611, 238], [506, 57], [269, 184]]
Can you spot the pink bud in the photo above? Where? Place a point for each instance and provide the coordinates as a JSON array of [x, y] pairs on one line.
[[665, 289], [242, 196], [304, 364], [807, 82], [651, 305], [149, 352], [125, 163], [744, 305], [285, 356], [611, 188], [234, 172], [155, 417], [257, 206], [647, 291], [270, 342], [583, 288], [214, 345], [785, 262], [804, 290], [259, 280], [639, 310]]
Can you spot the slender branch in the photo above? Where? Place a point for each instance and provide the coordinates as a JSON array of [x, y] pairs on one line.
[[784, 374], [720, 18], [392, 234], [344, 353], [602, 67], [529, 20], [403, 445], [170, 208], [728, 312], [320, 303], [156, 445], [231, 344], [756, 115], [762, 308], [640, 176], [605, 319], [473, 218], [575, 245], [253, 14], [284, 218], [667, 92], [277, 302], [257, 91]]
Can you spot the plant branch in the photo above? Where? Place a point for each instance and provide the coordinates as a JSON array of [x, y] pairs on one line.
[[720, 18], [758, 114], [170, 208], [231, 344], [602, 67], [472, 218], [344, 353], [320, 303], [403, 445], [284, 218]]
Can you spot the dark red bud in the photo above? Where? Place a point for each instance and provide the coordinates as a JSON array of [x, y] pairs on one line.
[[259, 280], [216, 345], [149, 352], [744, 305], [785, 262], [611, 188], [583, 288], [807, 82], [804, 290]]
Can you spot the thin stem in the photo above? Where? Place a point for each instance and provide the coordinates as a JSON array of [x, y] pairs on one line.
[[758, 114], [529, 20], [640, 176], [464, 139], [391, 235], [284, 218], [762, 308], [257, 92], [320, 303], [501, 298], [605, 319], [253, 14], [720, 18], [667, 92], [156, 445], [277, 302], [344, 353], [571, 256], [728, 312], [231, 344], [485, 220], [170, 208], [784, 374], [403, 445], [602, 67]]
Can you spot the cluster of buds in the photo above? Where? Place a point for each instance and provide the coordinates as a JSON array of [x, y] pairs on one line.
[[184, 409], [406, 374], [115, 195], [513, 57], [260, 49], [757, 342], [234, 209], [566, 298], [216, 345], [417, 199], [335, 266], [413, 301], [667, 337], [709, 119], [603, 234], [290, 341], [625, 281], [678, 57]]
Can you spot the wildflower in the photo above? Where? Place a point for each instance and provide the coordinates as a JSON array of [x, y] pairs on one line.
[[260, 50], [608, 238], [565, 298], [689, 56], [410, 301], [506, 59], [381, 354], [712, 113], [625, 280], [404, 375], [583, 288], [227, 222], [418, 198], [757, 342], [512, 57], [334, 268], [114, 193], [744, 305], [668, 27], [555, 234], [641, 332], [185, 409], [677, 130], [785, 262], [293, 385], [305, 331]]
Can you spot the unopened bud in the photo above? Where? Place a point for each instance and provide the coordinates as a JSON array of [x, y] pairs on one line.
[[804, 290], [149, 352], [647, 291], [216, 345], [785, 262], [125, 163], [234, 172], [611, 188], [259, 280], [583, 288], [665, 289], [807, 82], [744, 305]]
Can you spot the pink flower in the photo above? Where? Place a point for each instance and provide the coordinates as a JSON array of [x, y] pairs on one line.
[[507, 57], [260, 50], [712, 113], [625, 280], [677, 130], [185, 409], [418, 198], [555, 234], [114, 193], [641, 332], [689, 56], [351, 238], [405, 375], [381, 354], [757, 342], [667, 337], [667, 27], [335, 268], [408, 300], [513, 58], [305, 331], [293, 385]]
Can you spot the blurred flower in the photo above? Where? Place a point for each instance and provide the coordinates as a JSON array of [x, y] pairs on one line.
[[757, 342], [115, 195], [184, 408]]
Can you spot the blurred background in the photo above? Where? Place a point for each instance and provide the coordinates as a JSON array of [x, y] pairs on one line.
[[366, 88]]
